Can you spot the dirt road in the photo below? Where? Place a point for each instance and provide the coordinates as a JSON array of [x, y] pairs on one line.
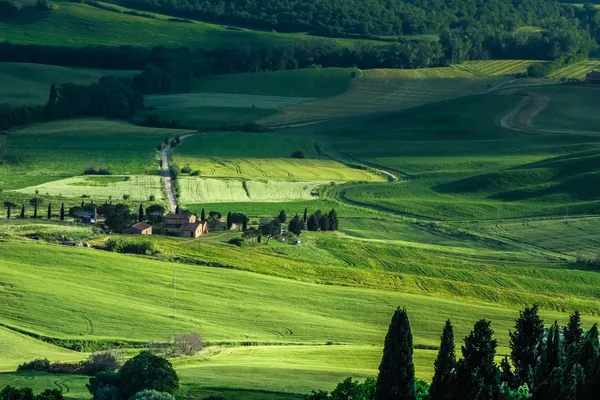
[[166, 173]]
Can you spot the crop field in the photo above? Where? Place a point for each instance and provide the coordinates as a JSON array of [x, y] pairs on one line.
[[577, 70], [494, 67], [310, 82], [77, 24], [137, 187], [196, 190], [388, 90], [210, 117], [17, 228], [123, 148], [176, 101], [29, 84], [276, 168]]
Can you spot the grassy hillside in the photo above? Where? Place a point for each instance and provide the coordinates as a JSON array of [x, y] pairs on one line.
[[29, 84], [77, 24], [577, 70]]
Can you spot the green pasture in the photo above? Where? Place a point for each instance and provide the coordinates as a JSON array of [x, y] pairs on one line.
[[78, 24], [576, 70], [570, 108], [495, 67], [137, 187], [210, 117], [43, 229], [32, 153], [29, 84], [309, 82]]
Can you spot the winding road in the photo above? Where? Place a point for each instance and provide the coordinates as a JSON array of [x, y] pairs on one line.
[[166, 173]]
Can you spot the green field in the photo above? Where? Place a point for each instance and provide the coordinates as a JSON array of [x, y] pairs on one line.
[[29, 84], [76, 24], [495, 67], [576, 70], [210, 117]]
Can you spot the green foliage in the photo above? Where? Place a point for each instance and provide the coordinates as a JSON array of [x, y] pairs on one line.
[[147, 371], [35, 365], [131, 246], [152, 395], [525, 343], [12, 393], [396, 379], [238, 241], [441, 384], [521, 393], [296, 225]]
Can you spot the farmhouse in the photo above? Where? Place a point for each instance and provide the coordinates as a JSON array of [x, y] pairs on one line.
[[593, 77], [141, 228], [185, 225]]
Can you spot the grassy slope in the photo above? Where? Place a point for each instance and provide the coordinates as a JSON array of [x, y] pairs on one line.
[[75, 24], [29, 84], [577, 70], [569, 108]]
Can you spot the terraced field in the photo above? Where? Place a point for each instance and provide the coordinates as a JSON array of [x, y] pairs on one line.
[[387, 90], [196, 190], [577, 70], [494, 67], [29, 84], [137, 187]]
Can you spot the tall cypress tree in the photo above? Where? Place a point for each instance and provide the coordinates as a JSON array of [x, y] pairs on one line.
[[589, 349], [202, 215], [476, 372], [305, 218], [244, 224], [525, 344], [229, 223], [572, 333], [141, 213], [333, 220], [396, 380], [549, 361], [22, 211], [506, 374], [444, 366], [313, 223], [62, 211], [49, 211]]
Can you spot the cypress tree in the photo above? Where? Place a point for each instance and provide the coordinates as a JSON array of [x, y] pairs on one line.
[[295, 225], [282, 217], [177, 210], [525, 344], [23, 211], [8, 211], [202, 215], [396, 380], [324, 222], [333, 220], [229, 223], [589, 349], [82, 204], [549, 361], [141, 213], [572, 333], [245, 223], [62, 211], [313, 223], [305, 218], [444, 366], [49, 211], [476, 372], [506, 375]]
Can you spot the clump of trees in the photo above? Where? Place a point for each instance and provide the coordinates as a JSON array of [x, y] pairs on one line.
[[545, 363], [13, 393]]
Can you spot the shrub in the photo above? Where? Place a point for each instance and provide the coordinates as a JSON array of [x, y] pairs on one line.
[[147, 371], [101, 384], [49, 394], [298, 154], [152, 395], [126, 196], [35, 365], [186, 169], [152, 198], [131, 246], [67, 368], [195, 173], [100, 362], [91, 170], [188, 343], [238, 241]]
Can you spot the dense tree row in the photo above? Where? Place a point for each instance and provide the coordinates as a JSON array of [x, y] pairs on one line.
[[332, 18], [554, 363]]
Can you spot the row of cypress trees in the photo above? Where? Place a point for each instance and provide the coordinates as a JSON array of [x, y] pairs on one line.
[[10, 206], [549, 363]]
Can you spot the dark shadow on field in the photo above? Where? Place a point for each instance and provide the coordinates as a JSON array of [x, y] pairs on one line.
[[26, 16]]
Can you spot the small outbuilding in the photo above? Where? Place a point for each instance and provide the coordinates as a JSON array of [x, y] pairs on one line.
[[141, 228]]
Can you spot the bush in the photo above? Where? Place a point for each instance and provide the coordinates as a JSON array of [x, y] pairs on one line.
[[100, 362], [101, 384], [186, 169], [35, 365], [195, 173], [238, 241], [67, 368], [147, 371], [298, 154], [131, 246], [152, 198], [91, 170], [152, 395], [188, 343], [126, 196]]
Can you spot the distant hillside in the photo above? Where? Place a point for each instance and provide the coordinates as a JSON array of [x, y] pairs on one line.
[[377, 17]]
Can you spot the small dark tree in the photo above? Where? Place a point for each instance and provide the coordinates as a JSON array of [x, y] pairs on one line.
[[396, 380], [50, 109], [282, 217], [9, 206], [22, 215], [298, 154], [313, 223], [572, 333], [35, 203], [295, 225], [324, 222], [305, 217], [49, 211], [506, 374], [202, 215], [147, 371], [333, 220], [441, 384], [141, 213], [525, 344], [62, 211], [229, 222], [546, 377], [155, 212], [177, 211], [245, 223]]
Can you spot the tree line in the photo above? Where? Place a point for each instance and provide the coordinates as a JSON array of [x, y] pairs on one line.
[[545, 363]]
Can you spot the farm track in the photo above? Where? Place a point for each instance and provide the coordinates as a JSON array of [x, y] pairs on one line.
[[166, 173]]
